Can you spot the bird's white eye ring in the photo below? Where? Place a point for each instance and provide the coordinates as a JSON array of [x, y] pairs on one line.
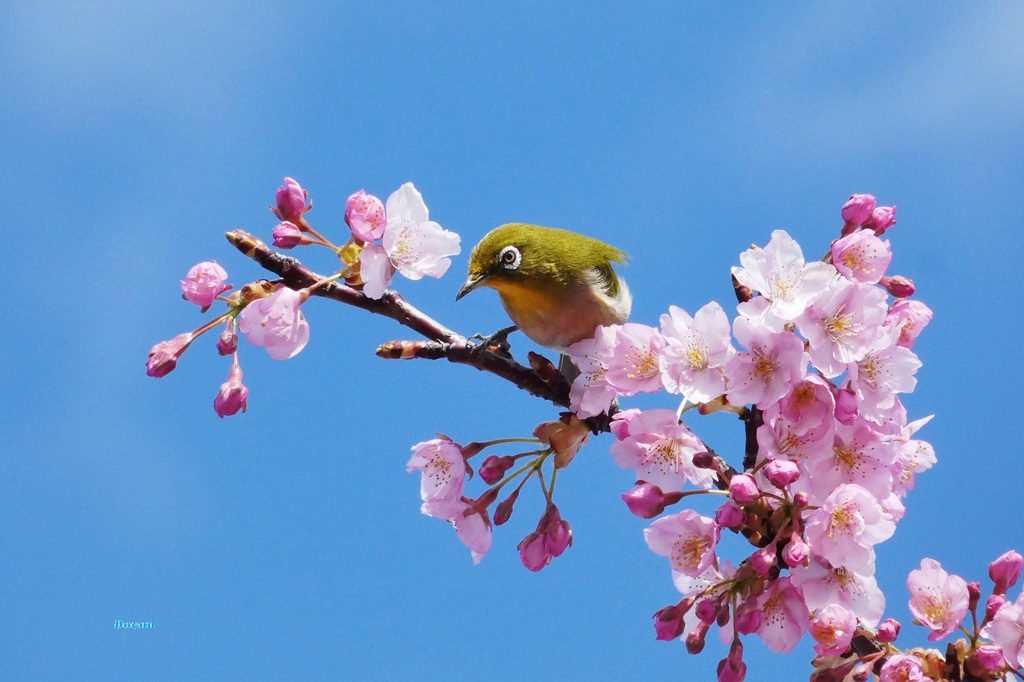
[[510, 257]]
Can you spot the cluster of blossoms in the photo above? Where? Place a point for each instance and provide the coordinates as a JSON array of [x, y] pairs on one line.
[[815, 364], [268, 314]]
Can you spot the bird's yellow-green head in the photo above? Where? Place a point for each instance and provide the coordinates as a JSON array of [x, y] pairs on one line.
[[556, 285]]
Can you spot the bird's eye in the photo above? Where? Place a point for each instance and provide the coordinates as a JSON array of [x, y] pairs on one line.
[[510, 257]]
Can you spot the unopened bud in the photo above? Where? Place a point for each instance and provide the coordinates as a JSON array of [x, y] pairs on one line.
[[888, 631], [503, 510], [704, 460], [668, 622], [743, 489], [163, 357], [898, 285], [992, 606], [762, 560], [1005, 571], [987, 662], [291, 201], [364, 214], [695, 638], [707, 611], [781, 472], [645, 500], [287, 236], [729, 516], [857, 209], [882, 218], [494, 467], [974, 595], [227, 343], [531, 552]]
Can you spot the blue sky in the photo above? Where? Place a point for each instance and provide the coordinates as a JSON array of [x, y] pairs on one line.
[[287, 543]]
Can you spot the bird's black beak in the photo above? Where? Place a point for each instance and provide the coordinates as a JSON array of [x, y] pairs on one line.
[[472, 282]]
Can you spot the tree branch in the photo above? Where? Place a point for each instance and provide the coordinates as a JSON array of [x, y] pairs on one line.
[[447, 344]]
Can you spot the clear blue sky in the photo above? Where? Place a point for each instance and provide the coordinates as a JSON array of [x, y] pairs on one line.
[[287, 543]]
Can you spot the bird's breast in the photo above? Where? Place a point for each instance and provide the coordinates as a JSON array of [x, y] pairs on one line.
[[560, 316]]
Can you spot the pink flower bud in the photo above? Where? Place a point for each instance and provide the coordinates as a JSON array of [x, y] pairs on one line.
[[233, 396], [846, 406], [704, 460], [781, 472], [796, 552], [888, 631], [494, 467], [857, 210], [291, 201], [557, 533], [1005, 571], [163, 357], [364, 214], [204, 283], [707, 611], [668, 622], [986, 662], [287, 236], [974, 595], [695, 638], [800, 500], [227, 342], [729, 516], [732, 668], [763, 560], [882, 218], [992, 606], [645, 500], [743, 489], [503, 512], [532, 553], [898, 285]]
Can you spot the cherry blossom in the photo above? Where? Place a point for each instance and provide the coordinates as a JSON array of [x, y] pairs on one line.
[[849, 523], [784, 616], [590, 394], [696, 350], [204, 283], [841, 323], [633, 361], [832, 627], [661, 451], [861, 256], [780, 274], [686, 538], [768, 371], [276, 324], [444, 475], [937, 599]]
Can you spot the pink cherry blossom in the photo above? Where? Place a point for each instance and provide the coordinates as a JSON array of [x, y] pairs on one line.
[[861, 256], [912, 457], [784, 616], [885, 370], [443, 476], [233, 395], [780, 274], [902, 668], [911, 317], [937, 599], [696, 350], [686, 538], [276, 324], [841, 323], [1006, 630], [768, 371], [856, 590], [413, 245], [473, 529], [590, 393], [365, 216], [833, 627], [416, 245], [204, 283], [859, 455], [633, 361], [661, 451], [882, 218], [849, 523]]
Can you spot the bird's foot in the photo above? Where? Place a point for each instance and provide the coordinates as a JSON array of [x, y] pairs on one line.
[[496, 342]]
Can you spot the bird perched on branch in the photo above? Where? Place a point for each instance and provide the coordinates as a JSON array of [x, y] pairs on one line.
[[556, 285]]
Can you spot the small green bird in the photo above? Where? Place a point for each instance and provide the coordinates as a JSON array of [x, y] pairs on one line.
[[556, 285]]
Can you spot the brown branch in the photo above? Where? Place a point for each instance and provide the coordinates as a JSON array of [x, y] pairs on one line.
[[449, 345]]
